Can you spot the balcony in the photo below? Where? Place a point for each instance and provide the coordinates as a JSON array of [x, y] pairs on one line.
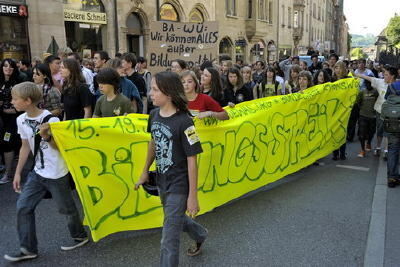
[[256, 29]]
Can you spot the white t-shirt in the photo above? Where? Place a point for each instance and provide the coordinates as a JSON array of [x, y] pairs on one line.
[[381, 87], [54, 165], [88, 75]]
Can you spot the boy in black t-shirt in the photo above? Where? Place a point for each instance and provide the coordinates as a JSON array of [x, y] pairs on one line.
[[129, 63]]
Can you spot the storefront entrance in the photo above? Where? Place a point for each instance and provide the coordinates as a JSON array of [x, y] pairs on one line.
[[14, 40]]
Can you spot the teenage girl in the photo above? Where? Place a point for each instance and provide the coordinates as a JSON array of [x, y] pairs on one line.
[[200, 105], [174, 145]]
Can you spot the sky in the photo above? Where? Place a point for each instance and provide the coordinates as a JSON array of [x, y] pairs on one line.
[[369, 16]]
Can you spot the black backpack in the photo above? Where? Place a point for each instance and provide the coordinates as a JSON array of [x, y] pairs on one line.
[[391, 111], [37, 151]]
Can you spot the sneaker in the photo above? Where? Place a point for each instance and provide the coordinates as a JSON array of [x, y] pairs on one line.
[[377, 151], [367, 147], [4, 180], [361, 154], [196, 249], [385, 155], [22, 255], [76, 243]]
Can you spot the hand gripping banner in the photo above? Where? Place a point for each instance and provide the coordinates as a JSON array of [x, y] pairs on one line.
[[265, 140]]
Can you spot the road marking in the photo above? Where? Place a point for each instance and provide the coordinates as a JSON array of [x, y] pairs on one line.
[[357, 168], [375, 250]]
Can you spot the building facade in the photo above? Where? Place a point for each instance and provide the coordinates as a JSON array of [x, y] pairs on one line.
[[249, 30]]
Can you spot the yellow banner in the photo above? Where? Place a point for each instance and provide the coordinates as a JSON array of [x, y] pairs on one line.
[[265, 140]]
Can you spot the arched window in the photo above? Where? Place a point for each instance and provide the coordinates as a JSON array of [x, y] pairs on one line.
[[169, 13], [225, 47], [133, 23], [196, 16]]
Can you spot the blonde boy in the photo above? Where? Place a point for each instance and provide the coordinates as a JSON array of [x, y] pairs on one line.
[[50, 173]]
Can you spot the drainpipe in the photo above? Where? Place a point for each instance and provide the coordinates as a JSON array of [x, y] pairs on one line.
[[277, 32], [116, 27], [158, 10]]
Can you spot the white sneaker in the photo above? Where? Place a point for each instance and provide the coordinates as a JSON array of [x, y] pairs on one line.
[[76, 242], [4, 180]]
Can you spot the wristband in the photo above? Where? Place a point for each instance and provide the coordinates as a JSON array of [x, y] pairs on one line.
[[48, 139]]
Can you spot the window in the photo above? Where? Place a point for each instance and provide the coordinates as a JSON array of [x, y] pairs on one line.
[[230, 7], [250, 9], [307, 23], [283, 16], [314, 11], [168, 13], [260, 9], [296, 19], [289, 17], [319, 13], [270, 9], [84, 5], [196, 16]]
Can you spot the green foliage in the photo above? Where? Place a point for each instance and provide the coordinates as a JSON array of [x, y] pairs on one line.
[[362, 41], [393, 30], [358, 53]]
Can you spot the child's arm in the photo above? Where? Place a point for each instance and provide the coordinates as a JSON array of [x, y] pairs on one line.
[[23, 156], [192, 202], [151, 154]]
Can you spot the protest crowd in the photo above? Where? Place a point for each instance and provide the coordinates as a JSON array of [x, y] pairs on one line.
[[68, 87]]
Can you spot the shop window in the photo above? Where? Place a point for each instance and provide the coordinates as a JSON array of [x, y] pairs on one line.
[[84, 5], [13, 38], [168, 13], [196, 16], [225, 47]]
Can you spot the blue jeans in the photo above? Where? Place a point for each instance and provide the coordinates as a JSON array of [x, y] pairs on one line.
[[393, 156], [32, 193], [176, 221]]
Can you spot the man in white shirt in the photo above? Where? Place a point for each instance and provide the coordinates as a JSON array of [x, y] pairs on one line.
[[381, 85]]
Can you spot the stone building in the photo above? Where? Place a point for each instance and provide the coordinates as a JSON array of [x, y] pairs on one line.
[[248, 30]]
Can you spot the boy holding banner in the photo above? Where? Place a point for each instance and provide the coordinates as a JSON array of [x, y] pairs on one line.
[[49, 174]]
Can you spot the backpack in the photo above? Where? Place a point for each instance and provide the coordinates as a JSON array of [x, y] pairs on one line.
[[37, 151], [391, 112]]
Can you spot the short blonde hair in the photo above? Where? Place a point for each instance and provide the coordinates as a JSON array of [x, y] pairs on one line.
[[29, 90], [246, 69]]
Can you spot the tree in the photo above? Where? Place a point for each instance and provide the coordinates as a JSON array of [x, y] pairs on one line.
[[349, 37], [393, 30], [358, 53]]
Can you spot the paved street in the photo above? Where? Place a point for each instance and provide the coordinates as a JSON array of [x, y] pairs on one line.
[[319, 216]]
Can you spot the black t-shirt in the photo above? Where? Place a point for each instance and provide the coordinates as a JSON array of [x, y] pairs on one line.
[[313, 69], [241, 95], [74, 103], [138, 80], [175, 139]]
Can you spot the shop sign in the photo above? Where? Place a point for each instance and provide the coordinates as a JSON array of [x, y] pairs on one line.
[[85, 16], [241, 42], [14, 10]]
